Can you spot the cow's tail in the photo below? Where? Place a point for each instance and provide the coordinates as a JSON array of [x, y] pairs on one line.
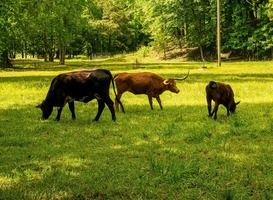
[[117, 99], [115, 76]]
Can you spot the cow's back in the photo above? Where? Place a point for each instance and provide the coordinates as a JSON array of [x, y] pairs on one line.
[[137, 83], [102, 77], [78, 85], [220, 91]]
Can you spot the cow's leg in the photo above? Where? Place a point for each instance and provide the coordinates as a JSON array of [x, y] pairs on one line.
[[101, 106], [72, 109], [110, 105], [215, 109], [151, 101], [209, 106], [228, 113], [159, 101], [59, 113], [228, 110]]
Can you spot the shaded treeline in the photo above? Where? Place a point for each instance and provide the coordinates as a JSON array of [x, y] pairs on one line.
[[57, 29]]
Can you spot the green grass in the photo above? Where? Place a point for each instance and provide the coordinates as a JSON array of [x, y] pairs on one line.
[[174, 153]]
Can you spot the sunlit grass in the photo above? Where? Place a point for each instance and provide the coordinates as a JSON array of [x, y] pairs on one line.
[[174, 153]]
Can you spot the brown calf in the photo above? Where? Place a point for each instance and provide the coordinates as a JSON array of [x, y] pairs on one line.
[[220, 93], [145, 83]]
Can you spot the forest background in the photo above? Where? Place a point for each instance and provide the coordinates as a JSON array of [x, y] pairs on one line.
[[60, 29]]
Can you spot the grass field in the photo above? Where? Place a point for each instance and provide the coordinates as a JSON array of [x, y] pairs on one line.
[[174, 153]]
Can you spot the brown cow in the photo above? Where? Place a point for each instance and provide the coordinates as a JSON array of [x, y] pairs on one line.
[[220, 93], [144, 83]]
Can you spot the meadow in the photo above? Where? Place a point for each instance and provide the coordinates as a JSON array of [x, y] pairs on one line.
[[174, 153]]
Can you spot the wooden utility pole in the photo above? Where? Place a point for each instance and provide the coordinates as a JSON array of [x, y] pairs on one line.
[[218, 33]]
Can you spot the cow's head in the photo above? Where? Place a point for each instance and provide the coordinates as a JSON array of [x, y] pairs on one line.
[[46, 109], [233, 107], [171, 85]]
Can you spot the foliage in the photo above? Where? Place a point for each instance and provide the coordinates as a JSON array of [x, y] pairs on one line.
[[174, 153], [54, 29]]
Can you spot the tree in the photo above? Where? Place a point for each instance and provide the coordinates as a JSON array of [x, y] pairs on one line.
[[269, 10], [69, 27], [114, 28], [8, 11], [156, 20]]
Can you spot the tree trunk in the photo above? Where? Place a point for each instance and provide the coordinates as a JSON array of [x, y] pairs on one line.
[[62, 50], [45, 57], [271, 53], [185, 29], [51, 56], [201, 53], [52, 49], [165, 50], [4, 60], [109, 43], [45, 47]]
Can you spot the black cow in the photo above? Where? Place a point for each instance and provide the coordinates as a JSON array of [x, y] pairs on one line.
[[80, 86]]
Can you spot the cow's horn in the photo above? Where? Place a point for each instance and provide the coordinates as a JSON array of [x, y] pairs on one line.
[[166, 82], [88, 75], [184, 77]]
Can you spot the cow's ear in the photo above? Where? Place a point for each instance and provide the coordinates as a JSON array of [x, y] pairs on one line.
[[213, 84], [166, 82], [237, 102]]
